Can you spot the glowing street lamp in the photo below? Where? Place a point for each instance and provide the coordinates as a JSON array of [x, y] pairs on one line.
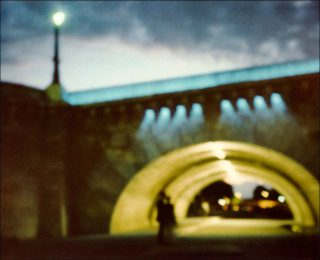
[[58, 19], [54, 90]]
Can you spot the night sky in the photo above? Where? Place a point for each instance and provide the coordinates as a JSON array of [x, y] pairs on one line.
[[109, 43]]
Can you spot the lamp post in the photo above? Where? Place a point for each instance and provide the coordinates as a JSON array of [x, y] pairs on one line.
[[52, 203], [54, 91], [58, 19]]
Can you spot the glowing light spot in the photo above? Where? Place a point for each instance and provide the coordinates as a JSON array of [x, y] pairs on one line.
[[236, 208], [196, 114], [163, 120], [164, 114], [58, 18], [148, 119], [228, 165], [265, 194], [227, 200], [232, 176], [226, 107], [267, 204], [238, 195], [179, 118], [243, 105], [196, 110], [180, 111], [259, 103], [220, 154], [150, 115], [205, 206], [277, 102], [296, 229], [222, 202], [281, 199]]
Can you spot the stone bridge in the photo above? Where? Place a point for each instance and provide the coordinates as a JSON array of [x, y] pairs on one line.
[[94, 161]]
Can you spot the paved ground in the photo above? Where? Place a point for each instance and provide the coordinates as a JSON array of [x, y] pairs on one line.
[[144, 247]]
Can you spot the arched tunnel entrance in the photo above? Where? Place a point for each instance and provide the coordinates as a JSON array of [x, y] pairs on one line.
[[185, 173]]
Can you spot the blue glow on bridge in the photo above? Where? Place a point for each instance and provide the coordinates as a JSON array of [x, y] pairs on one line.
[[243, 105], [180, 112], [240, 118], [196, 117], [164, 114], [163, 119], [148, 120], [227, 107], [259, 103], [277, 102], [190, 83], [196, 112], [180, 116]]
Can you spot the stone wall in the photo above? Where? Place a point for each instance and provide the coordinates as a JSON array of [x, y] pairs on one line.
[[64, 167]]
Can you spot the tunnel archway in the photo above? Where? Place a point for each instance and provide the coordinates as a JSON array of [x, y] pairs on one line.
[[183, 172]]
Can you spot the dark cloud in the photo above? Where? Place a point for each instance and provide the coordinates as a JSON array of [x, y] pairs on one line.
[[217, 26], [223, 25]]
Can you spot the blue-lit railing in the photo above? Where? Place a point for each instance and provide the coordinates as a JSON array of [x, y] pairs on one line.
[[191, 83]]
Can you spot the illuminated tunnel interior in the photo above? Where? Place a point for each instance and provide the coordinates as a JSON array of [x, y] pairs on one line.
[[183, 173], [289, 192]]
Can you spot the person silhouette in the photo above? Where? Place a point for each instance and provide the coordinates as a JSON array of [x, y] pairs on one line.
[[166, 218]]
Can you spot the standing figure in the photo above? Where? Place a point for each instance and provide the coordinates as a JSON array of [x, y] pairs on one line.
[[165, 218]]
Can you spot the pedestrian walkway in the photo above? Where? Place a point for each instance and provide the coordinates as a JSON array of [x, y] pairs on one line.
[[145, 247]]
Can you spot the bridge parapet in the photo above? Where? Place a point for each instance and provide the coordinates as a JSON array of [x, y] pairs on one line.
[[192, 83]]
